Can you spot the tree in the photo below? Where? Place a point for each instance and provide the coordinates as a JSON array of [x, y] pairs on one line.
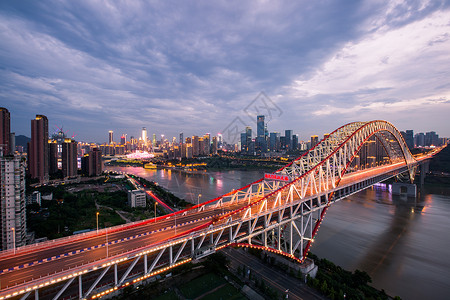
[[324, 287]]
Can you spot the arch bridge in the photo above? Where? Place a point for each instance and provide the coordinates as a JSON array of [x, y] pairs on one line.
[[281, 213]]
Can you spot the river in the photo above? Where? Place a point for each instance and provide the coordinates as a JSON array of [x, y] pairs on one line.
[[403, 244]]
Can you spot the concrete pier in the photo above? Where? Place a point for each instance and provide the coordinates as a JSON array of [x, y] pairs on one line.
[[404, 189]]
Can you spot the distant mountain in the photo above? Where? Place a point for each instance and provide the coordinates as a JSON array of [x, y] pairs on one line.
[[22, 140]]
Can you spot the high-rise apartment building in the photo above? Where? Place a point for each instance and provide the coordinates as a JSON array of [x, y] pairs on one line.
[[408, 136], [214, 146], [314, 140], [419, 139], [5, 131], [432, 139], [38, 152], [12, 202], [195, 145], [69, 158], [52, 156], [91, 164]]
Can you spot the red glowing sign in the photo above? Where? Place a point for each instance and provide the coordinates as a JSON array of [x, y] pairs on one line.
[[279, 177]]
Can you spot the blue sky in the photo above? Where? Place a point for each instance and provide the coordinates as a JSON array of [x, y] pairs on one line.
[[195, 66]]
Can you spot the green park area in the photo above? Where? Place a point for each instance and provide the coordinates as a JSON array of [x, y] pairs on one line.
[[71, 208]]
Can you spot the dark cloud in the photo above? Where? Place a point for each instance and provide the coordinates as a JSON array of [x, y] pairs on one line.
[[93, 66]]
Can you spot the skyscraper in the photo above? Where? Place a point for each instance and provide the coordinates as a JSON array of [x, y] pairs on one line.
[[260, 129], [12, 202], [274, 141], [111, 137], [69, 158], [288, 141], [181, 138], [38, 152], [144, 135], [261, 145], [123, 139], [5, 131]]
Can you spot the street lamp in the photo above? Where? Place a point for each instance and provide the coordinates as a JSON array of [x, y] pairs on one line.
[[14, 238], [156, 203], [198, 199], [97, 220]]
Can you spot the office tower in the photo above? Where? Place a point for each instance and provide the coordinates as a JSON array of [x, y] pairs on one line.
[[69, 158], [5, 132], [288, 141], [154, 140], [91, 164], [260, 129], [38, 150], [248, 136], [52, 156], [243, 142], [260, 141], [181, 138], [195, 146], [12, 192], [314, 141], [274, 144], [111, 137]]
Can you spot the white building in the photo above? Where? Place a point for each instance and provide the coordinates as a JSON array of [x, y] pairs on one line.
[[137, 198], [12, 202], [35, 197]]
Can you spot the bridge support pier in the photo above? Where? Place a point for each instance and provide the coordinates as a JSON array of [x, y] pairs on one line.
[[404, 189], [80, 287], [424, 169]]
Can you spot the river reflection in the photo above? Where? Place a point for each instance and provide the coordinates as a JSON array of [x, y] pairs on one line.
[[402, 243]]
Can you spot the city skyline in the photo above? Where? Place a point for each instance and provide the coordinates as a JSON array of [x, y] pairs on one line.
[[167, 66]]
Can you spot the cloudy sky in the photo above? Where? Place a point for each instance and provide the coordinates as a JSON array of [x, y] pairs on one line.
[[200, 66]]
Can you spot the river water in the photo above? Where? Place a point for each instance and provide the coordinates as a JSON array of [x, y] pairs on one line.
[[403, 243]]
